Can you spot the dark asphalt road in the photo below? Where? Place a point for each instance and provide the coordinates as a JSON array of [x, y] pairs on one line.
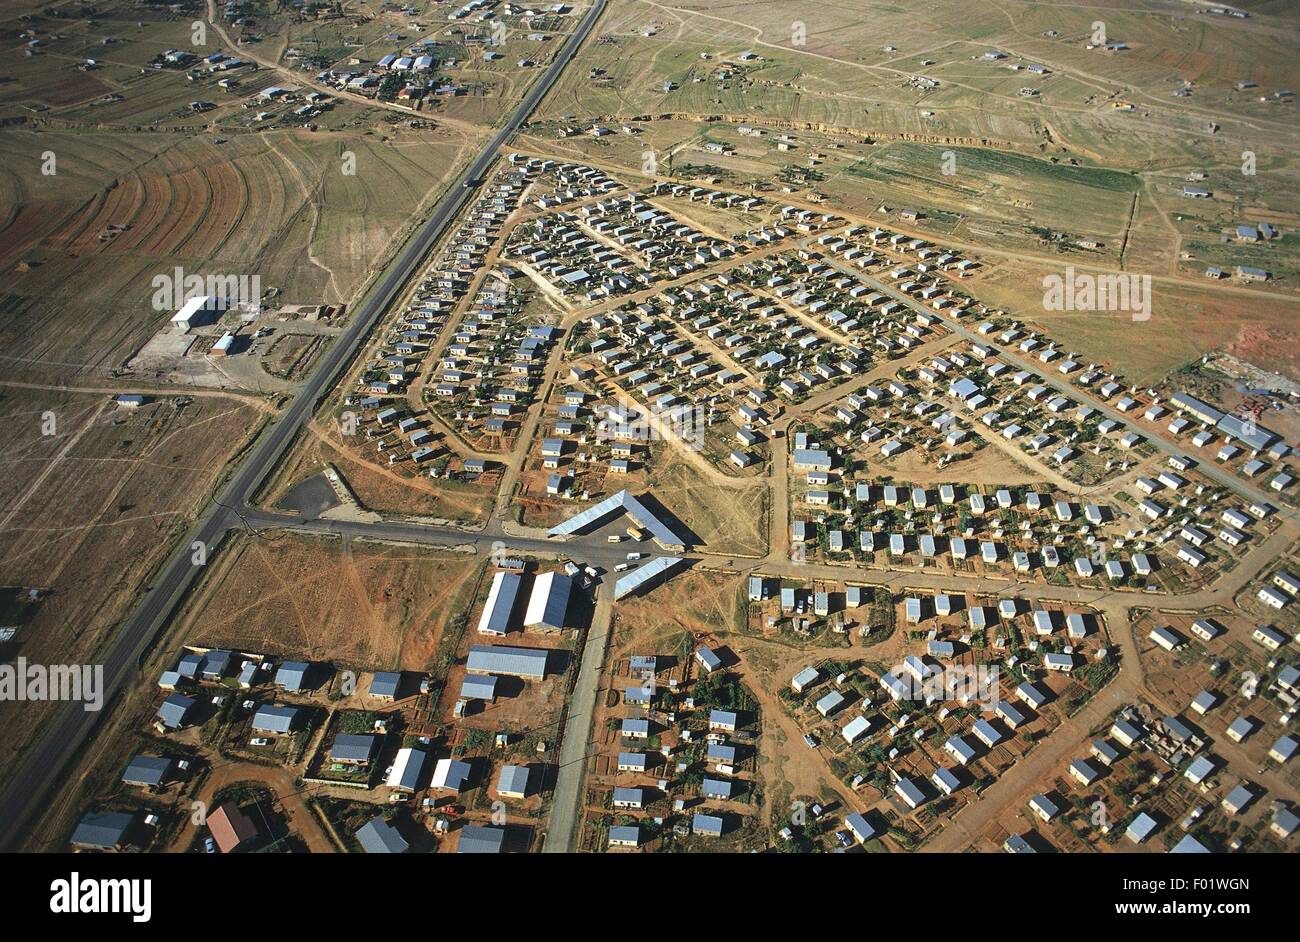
[[41, 766]]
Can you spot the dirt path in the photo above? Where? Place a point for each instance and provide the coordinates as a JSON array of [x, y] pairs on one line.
[[289, 799], [50, 467]]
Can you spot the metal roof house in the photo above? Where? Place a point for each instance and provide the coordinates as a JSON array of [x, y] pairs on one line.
[[725, 720], [1044, 807], [1200, 768], [1189, 845], [1239, 799], [861, 829], [451, 775], [292, 675], [908, 791], [1084, 772], [805, 679], [353, 749], [270, 718], [707, 824], [718, 752], [175, 711], [716, 788], [634, 761], [625, 835], [405, 774], [528, 663], [855, 729], [1016, 844], [512, 782], [1031, 695], [385, 685], [959, 749], [230, 827], [377, 836], [830, 702], [707, 659], [945, 781], [106, 831], [1142, 827], [147, 771]]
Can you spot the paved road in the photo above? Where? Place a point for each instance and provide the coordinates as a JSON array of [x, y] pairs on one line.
[[41, 765], [567, 797]]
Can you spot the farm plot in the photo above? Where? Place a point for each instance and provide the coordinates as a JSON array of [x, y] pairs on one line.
[[124, 209]]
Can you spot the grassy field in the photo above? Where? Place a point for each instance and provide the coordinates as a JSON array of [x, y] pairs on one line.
[[1187, 320]]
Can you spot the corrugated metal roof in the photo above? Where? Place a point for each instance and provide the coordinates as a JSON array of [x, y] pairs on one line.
[[477, 839], [274, 719], [500, 659], [622, 502], [101, 830], [407, 768], [377, 836], [500, 605], [513, 780], [478, 688], [638, 577], [549, 601]]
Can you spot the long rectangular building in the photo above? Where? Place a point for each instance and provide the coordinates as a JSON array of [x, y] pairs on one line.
[[529, 663], [549, 601], [501, 601], [645, 576], [622, 502]]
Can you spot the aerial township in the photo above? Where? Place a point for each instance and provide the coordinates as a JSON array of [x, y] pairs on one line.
[[654, 509]]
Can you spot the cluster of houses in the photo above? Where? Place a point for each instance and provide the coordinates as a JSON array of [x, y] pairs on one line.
[[614, 246], [1058, 427], [710, 745], [1018, 631], [488, 374], [278, 701], [914, 702], [468, 371], [1184, 753], [1024, 529]]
